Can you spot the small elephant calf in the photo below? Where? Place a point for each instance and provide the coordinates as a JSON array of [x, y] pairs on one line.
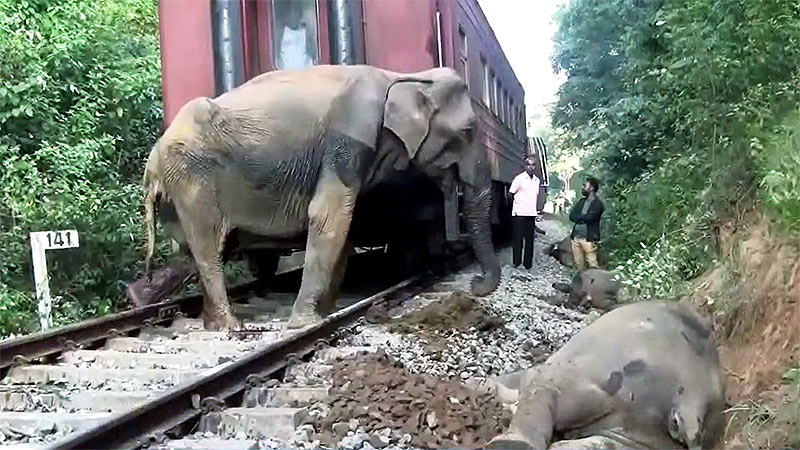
[[595, 287], [562, 251]]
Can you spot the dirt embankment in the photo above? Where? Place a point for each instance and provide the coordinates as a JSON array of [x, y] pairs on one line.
[[459, 311], [754, 296]]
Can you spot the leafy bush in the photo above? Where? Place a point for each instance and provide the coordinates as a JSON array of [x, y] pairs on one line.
[[687, 110], [778, 165], [80, 105]]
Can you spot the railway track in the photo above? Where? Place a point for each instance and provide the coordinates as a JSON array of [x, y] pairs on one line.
[[147, 377]]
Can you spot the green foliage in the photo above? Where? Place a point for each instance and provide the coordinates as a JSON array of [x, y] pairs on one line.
[[80, 105], [684, 109], [778, 163]]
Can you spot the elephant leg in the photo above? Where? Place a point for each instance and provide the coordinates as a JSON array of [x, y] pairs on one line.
[[327, 303], [533, 422], [205, 238], [330, 213]]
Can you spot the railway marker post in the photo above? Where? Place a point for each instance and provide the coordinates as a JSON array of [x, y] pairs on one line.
[[41, 241]]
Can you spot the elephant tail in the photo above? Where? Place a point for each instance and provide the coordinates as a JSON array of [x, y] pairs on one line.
[[152, 192]]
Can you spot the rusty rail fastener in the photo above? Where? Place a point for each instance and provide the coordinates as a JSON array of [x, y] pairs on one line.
[[20, 360], [114, 333]]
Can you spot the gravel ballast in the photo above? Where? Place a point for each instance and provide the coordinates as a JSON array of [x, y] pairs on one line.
[[531, 330]]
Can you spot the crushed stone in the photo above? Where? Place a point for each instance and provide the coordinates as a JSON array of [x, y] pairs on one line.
[[532, 328], [375, 401]]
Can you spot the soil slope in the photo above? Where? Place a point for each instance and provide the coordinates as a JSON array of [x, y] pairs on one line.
[[754, 298]]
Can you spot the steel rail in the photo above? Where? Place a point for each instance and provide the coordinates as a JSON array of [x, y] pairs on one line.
[[43, 343], [143, 425]]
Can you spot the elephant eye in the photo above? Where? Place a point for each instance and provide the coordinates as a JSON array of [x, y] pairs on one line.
[[468, 132]]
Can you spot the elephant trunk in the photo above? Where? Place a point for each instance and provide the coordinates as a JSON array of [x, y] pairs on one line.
[[477, 206], [475, 175]]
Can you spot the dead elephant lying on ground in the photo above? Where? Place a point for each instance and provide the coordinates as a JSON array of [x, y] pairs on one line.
[[562, 251], [595, 287], [645, 375]]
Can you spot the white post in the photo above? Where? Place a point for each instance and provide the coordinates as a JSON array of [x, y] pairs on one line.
[[42, 281], [42, 241]]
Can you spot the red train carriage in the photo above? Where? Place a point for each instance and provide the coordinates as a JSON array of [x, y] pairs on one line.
[[211, 46]]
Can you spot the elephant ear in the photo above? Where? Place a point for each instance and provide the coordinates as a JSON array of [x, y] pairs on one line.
[[408, 112], [207, 111]]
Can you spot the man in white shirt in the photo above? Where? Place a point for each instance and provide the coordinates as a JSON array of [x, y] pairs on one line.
[[525, 189]]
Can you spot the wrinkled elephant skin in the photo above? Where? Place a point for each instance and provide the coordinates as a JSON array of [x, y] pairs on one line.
[[645, 373], [284, 156]]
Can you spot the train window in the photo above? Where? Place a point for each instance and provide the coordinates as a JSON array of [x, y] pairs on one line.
[[462, 42], [493, 92], [294, 33], [485, 81], [512, 116], [501, 107], [495, 105], [507, 106]]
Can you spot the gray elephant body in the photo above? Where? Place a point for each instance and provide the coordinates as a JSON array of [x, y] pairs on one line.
[[562, 251], [281, 160], [594, 286], [646, 371]]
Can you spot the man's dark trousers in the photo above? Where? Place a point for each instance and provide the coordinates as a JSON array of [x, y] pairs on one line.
[[522, 228]]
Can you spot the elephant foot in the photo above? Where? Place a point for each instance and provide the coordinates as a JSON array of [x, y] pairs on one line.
[[302, 320], [222, 323], [480, 286], [512, 441]]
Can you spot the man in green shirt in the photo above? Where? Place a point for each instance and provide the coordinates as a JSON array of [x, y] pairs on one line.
[[586, 232]]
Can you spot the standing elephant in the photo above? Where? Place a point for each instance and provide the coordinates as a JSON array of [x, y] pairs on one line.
[[283, 158]]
